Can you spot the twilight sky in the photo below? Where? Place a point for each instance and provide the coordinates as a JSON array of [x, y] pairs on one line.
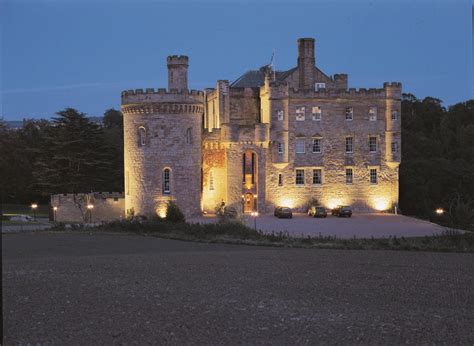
[[82, 54]]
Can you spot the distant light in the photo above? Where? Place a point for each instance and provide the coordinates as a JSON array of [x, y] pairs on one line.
[[254, 213], [34, 206], [90, 206], [439, 211], [55, 208]]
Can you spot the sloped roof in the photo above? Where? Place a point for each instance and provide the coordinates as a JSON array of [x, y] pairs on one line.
[[256, 78]]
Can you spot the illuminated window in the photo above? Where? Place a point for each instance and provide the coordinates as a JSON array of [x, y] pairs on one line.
[[166, 181], [349, 113], [189, 137], [373, 144], [211, 181], [280, 115], [316, 145], [318, 86], [280, 148], [317, 113], [299, 177], [141, 136], [394, 115], [349, 144], [349, 175], [300, 114], [373, 175], [300, 146], [317, 176], [280, 180], [373, 113], [394, 147]]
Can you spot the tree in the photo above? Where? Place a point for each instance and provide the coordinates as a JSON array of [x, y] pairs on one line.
[[113, 131]]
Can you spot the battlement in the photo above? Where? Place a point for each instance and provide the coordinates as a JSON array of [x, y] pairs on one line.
[[178, 59], [161, 91], [352, 92], [392, 85]]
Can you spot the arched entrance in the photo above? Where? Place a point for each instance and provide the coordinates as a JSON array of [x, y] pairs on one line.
[[248, 202]]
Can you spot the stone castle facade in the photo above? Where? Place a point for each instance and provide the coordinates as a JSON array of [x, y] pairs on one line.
[[270, 138]]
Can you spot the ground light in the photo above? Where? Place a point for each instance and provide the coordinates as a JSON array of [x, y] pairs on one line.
[[254, 214], [90, 207], [34, 206], [439, 211], [55, 209]]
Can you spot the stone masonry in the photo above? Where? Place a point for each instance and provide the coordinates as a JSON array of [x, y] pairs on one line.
[[270, 138]]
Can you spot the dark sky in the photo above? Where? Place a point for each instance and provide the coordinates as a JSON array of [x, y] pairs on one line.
[[82, 54]]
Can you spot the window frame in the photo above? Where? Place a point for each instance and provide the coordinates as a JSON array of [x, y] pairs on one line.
[[280, 115], [371, 144], [316, 116], [319, 86], [300, 140], [320, 171], [373, 178], [319, 141], [166, 183], [373, 113], [301, 176], [280, 148], [300, 113], [396, 115], [351, 113], [141, 136], [351, 151], [211, 180], [392, 146], [280, 179], [351, 175]]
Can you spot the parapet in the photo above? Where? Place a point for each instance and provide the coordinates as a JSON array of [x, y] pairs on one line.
[[162, 95], [392, 84], [328, 93], [393, 90], [177, 60]]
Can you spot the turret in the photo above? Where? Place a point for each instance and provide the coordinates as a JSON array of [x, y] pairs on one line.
[[177, 72], [306, 63]]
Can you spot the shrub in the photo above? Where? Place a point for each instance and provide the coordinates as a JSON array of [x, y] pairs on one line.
[[173, 213], [225, 213], [312, 203], [461, 213]]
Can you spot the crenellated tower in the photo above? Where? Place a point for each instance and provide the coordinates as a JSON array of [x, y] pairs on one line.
[[162, 144]]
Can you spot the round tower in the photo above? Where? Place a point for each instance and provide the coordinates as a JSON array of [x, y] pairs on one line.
[[162, 145]]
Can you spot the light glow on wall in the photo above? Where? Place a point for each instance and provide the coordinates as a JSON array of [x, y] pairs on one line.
[[381, 203], [161, 211], [334, 202], [286, 202]]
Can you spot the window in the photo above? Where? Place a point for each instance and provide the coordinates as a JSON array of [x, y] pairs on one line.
[[373, 175], [141, 136], [317, 113], [349, 144], [300, 177], [300, 146], [394, 115], [189, 135], [349, 113], [280, 115], [349, 175], [166, 181], [317, 176], [316, 145], [373, 144], [318, 86], [211, 180], [300, 114], [373, 113], [280, 148], [280, 180], [394, 147]]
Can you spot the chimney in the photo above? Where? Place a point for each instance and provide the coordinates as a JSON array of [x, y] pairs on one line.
[[306, 63], [177, 72]]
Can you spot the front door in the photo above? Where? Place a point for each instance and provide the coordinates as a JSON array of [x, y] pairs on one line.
[[249, 202]]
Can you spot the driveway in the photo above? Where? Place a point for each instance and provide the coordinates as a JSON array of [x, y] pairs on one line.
[[359, 225]]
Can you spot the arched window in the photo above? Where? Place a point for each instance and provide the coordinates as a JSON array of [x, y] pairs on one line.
[[211, 181], [189, 137], [166, 181], [141, 136]]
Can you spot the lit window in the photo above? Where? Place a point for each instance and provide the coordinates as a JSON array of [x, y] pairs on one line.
[[373, 175], [189, 137], [280, 148], [349, 175], [394, 115], [300, 114], [318, 86], [280, 180], [317, 176], [373, 113], [394, 147], [211, 181], [141, 136], [300, 146], [372, 144], [317, 113], [349, 113], [300, 177], [349, 144], [166, 181], [316, 145], [280, 115]]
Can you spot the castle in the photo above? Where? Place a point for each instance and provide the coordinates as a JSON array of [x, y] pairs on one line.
[[270, 138]]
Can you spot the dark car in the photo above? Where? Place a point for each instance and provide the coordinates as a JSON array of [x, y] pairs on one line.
[[317, 212], [342, 211], [283, 212]]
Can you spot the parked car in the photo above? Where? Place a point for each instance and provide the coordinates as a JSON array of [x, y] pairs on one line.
[[317, 212], [342, 211], [283, 212]]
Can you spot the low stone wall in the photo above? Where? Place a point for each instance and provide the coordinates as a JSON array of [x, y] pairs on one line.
[[106, 206]]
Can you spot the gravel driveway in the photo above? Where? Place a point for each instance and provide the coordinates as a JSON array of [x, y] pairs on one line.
[[101, 289]]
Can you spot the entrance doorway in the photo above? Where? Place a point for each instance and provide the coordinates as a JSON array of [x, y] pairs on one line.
[[248, 202]]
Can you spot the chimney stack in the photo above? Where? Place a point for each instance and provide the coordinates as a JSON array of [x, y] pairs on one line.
[[306, 63]]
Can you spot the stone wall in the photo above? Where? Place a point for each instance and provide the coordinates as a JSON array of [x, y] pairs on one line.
[[73, 207]]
